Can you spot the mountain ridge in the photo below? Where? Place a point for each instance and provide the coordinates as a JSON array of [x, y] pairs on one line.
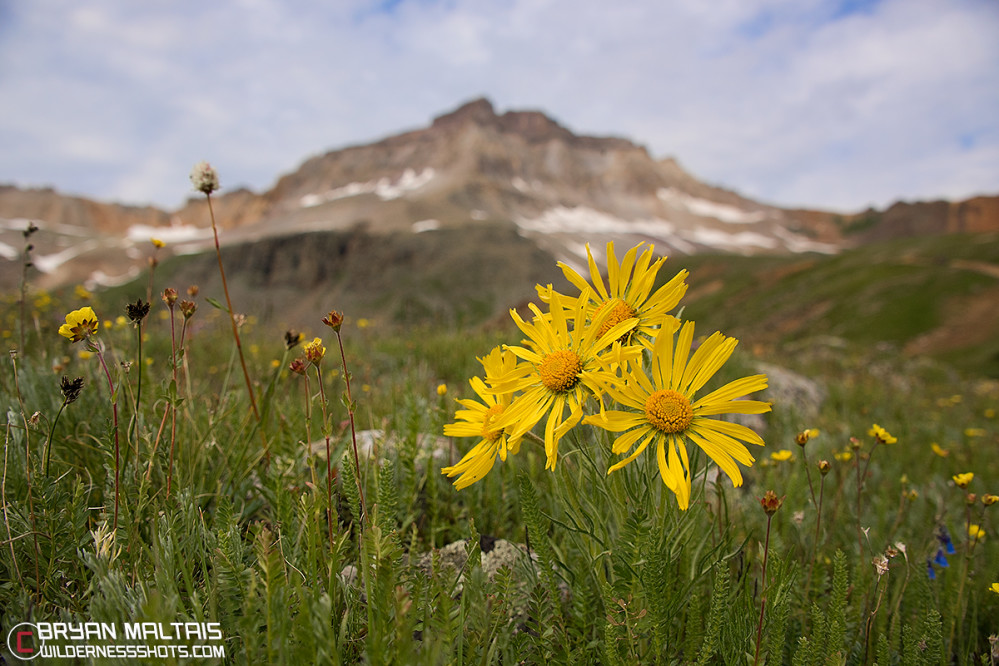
[[468, 166]]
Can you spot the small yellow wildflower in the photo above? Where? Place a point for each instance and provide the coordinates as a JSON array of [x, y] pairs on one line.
[[962, 480], [976, 532], [802, 437], [335, 320], [43, 301], [990, 413], [843, 456], [83, 355], [275, 364], [315, 351], [442, 389], [157, 243], [994, 587], [363, 323], [974, 432], [882, 435], [781, 456], [81, 292], [988, 499], [80, 325], [943, 453]]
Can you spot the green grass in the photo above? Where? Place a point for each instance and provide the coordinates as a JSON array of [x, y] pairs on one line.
[[618, 575]]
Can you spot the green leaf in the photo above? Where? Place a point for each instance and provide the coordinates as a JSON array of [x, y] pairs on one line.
[[215, 304]]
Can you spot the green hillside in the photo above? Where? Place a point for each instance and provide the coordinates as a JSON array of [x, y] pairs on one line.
[[933, 295]]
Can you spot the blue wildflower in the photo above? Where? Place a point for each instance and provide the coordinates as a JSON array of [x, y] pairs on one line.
[[930, 571], [943, 536], [940, 560]]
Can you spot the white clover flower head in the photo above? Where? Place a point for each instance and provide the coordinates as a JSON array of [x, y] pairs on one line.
[[204, 178]]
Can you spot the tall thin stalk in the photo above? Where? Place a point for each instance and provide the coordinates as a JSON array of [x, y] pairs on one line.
[[329, 466], [770, 503], [97, 348], [353, 433], [206, 180], [25, 265], [170, 298], [232, 314]]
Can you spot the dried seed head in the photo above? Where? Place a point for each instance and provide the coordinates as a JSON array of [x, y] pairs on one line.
[[137, 311], [170, 296], [292, 338], [71, 389]]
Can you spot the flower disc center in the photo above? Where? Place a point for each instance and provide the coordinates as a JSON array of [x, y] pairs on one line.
[[619, 311], [669, 411], [559, 370], [488, 432]]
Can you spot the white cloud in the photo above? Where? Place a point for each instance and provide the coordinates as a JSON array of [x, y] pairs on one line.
[[783, 100]]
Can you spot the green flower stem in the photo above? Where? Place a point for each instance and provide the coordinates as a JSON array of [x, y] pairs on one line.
[[172, 406], [329, 466], [114, 410], [235, 329], [138, 398], [353, 433], [48, 442], [308, 432], [763, 588]]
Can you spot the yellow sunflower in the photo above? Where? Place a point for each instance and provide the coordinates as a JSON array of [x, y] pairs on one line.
[[563, 365], [478, 419], [661, 408], [80, 324], [628, 292]]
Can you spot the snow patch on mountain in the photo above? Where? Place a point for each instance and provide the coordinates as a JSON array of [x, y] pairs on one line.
[[796, 243], [181, 233], [384, 188], [581, 219], [705, 208], [48, 263], [425, 225]]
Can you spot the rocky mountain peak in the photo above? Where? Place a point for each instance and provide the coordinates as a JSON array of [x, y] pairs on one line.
[[478, 111], [532, 126]]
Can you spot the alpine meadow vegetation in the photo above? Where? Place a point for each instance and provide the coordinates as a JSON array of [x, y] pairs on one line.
[[598, 481]]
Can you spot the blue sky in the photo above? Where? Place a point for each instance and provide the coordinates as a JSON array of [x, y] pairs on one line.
[[835, 105]]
